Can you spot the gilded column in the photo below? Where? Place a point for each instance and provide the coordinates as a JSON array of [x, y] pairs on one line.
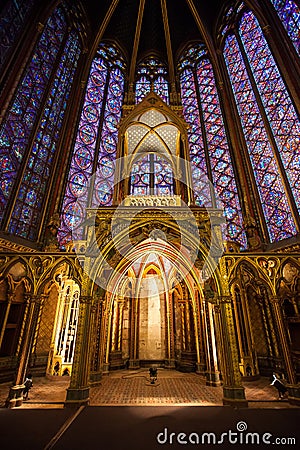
[[78, 392], [203, 345], [15, 396], [293, 387], [134, 328], [115, 326], [233, 391], [121, 310], [197, 316], [212, 375], [219, 338], [188, 326], [252, 351], [103, 333], [170, 356], [9, 302], [181, 305], [97, 309], [276, 303]]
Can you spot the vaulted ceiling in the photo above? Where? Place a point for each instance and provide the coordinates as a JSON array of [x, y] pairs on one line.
[[157, 17]]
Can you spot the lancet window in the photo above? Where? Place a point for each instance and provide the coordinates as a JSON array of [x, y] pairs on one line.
[[151, 75], [289, 13], [212, 170], [269, 122], [91, 175], [30, 131], [12, 21]]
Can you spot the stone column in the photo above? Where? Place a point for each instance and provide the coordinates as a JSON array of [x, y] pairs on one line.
[[78, 392], [212, 373], [293, 387], [97, 312], [170, 354], [134, 362], [9, 302], [183, 332], [202, 366], [233, 391], [199, 334], [15, 396]]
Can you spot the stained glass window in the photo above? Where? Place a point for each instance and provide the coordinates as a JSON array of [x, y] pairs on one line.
[[197, 152], [18, 160], [209, 150], [278, 118], [151, 175], [91, 174], [289, 13], [12, 21], [24, 221], [151, 74], [279, 108]]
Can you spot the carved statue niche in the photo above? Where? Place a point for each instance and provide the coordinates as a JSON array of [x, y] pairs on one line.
[[103, 229], [253, 239], [289, 287], [155, 230], [51, 233]]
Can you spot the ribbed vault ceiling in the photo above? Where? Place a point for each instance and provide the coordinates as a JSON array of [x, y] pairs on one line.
[[181, 23]]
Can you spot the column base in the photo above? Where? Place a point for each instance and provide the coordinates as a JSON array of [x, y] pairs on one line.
[[15, 396], [201, 368], [106, 368], [134, 364], [95, 378], [234, 396], [116, 360], [213, 379], [169, 364], [294, 394], [77, 397]]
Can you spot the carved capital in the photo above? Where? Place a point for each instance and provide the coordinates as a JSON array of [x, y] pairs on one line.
[[217, 308], [40, 26], [85, 299], [267, 29], [223, 299], [276, 300], [11, 297]]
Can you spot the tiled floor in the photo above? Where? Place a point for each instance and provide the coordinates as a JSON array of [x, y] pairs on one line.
[[134, 388]]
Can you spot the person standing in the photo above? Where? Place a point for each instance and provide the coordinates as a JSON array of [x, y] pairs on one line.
[[28, 385]]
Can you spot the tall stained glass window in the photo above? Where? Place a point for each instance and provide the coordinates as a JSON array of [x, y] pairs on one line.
[[12, 20], [212, 171], [91, 175], [289, 13], [31, 128], [151, 75], [269, 122]]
